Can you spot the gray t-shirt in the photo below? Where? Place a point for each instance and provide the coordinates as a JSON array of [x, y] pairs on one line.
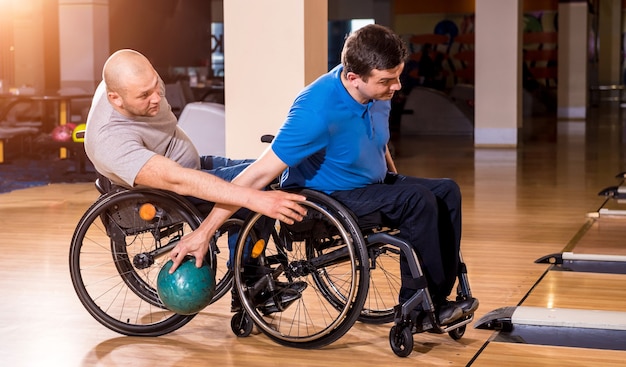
[[119, 146]]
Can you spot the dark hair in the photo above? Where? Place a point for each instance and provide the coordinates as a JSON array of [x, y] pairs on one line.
[[372, 47]]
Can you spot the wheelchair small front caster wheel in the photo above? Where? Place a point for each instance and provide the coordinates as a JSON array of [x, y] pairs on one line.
[[457, 333], [401, 340], [241, 324]]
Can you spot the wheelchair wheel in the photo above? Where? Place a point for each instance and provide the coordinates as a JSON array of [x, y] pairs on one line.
[[401, 340], [220, 248], [384, 285], [457, 333], [241, 324], [285, 290], [117, 252]]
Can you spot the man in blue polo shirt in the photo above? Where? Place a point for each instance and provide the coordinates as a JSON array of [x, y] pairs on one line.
[[332, 142], [335, 140]]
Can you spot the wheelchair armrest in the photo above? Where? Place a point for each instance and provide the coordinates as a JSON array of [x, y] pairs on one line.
[[104, 185]]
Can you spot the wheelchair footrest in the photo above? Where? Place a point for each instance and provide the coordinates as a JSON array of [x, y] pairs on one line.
[[417, 321]]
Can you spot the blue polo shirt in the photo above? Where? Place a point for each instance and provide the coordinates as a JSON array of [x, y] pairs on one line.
[[332, 142]]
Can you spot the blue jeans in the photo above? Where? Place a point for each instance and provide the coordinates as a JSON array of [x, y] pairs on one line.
[[224, 168], [227, 169], [428, 214]]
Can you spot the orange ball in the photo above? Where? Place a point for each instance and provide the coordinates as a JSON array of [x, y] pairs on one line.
[[147, 211]]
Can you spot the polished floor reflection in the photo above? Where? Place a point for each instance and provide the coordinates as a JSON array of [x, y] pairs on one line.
[[519, 205]]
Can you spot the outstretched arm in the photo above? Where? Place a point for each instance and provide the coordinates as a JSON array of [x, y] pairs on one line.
[[255, 177], [163, 173]]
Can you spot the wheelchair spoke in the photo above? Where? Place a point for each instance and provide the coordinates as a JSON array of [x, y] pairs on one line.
[[115, 258], [319, 275]]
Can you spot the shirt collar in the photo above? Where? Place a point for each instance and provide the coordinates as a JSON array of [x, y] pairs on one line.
[[358, 108]]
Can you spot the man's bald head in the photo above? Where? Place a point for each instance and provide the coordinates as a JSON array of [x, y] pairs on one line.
[[123, 68], [133, 86]]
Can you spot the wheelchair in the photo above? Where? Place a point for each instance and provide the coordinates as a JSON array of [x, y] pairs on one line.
[[345, 273], [348, 271], [116, 254], [115, 257]]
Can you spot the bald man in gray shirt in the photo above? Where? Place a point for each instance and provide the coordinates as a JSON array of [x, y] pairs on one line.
[[132, 138]]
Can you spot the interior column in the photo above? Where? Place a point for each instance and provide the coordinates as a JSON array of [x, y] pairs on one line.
[[610, 38], [498, 88], [272, 49], [573, 60], [83, 42]]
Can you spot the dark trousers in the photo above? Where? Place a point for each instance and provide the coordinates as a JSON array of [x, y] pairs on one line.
[[428, 214]]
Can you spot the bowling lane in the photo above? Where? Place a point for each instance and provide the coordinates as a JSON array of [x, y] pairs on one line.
[[579, 290], [524, 355], [605, 236]]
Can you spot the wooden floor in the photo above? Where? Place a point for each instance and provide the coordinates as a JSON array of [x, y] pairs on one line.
[[519, 205]]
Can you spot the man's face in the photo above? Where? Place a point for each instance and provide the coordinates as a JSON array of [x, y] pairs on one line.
[[381, 84], [141, 98]]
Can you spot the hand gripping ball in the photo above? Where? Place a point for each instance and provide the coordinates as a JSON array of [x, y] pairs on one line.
[[189, 289]]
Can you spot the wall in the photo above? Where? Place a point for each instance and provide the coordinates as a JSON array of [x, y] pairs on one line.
[[169, 32], [29, 46], [422, 16], [380, 10], [265, 70]]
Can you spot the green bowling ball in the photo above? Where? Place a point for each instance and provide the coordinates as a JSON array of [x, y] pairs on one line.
[[189, 289]]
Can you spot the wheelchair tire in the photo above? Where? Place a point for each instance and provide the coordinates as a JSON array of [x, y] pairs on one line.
[[221, 257], [241, 324], [384, 286], [115, 257], [401, 340], [457, 333], [294, 257], [383, 290]]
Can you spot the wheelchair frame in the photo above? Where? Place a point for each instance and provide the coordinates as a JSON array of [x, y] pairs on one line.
[[112, 241], [287, 328], [339, 265]]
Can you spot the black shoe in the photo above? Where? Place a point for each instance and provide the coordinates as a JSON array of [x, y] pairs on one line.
[[468, 305], [445, 314], [288, 293], [448, 312], [295, 286]]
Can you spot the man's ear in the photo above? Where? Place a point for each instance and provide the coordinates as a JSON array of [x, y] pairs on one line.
[[115, 99], [352, 78]]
